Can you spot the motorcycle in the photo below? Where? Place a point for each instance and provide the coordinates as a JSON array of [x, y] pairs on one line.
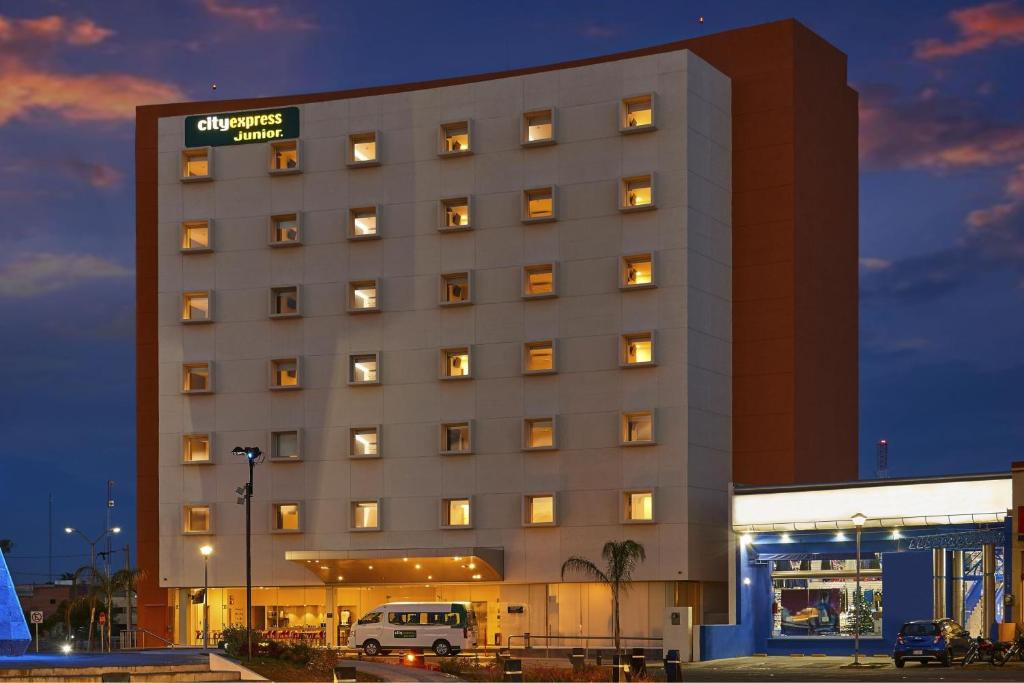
[[1015, 648], [981, 649]]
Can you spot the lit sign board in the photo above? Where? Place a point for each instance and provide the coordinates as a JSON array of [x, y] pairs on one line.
[[241, 128]]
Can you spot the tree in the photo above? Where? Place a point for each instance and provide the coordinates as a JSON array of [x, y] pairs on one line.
[[860, 618], [128, 580], [621, 558], [6, 545]]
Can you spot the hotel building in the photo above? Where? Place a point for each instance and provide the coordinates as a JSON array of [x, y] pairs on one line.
[[483, 324]]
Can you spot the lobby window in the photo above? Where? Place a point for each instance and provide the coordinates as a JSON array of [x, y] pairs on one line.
[[455, 214], [364, 442], [284, 301], [284, 373], [637, 271], [637, 428], [539, 434], [198, 519], [284, 518], [363, 149], [539, 357], [284, 230], [539, 281], [363, 368], [362, 296], [539, 205], [197, 378], [455, 138], [637, 193], [455, 363], [456, 438], [638, 506], [455, 289], [365, 515], [284, 157], [362, 223], [539, 510], [196, 307], [197, 164], [455, 513], [196, 236], [195, 449], [286, 445], [637, 114], [815, 593], [538, 127], [637, 349]]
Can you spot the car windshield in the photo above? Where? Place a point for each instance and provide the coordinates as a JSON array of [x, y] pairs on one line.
[[921, 628], [370, 618]]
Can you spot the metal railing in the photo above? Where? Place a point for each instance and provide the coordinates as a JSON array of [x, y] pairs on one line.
[[587, 643], [136, 639]]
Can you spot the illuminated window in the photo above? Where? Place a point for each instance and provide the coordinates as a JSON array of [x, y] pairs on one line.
[[195, 448], [455, 289], [286, 445], [539, 510], [539, 281], [365, 515], [455, 513], [284, 518], [195, 307], [637, 428], [198, 519], [362, 296], [637, 349], [284, 157], [637, 193], [363, 149], [364, 442], [197, 378], [539, 434], [637, 271], [284, 373], [363, 368], [456, 438], [196, 236], [455, 363], [539, 127], [637, 114], [362, 223], [638, 506], [284, 230], [197, 164], [455, 138], [284, 301], [455, 214], [539, 205], [539, 357]]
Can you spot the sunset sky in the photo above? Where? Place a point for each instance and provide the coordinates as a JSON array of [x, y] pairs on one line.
[[941, 223]]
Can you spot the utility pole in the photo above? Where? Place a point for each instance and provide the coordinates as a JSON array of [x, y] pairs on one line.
[[110, 510], [49, 540]]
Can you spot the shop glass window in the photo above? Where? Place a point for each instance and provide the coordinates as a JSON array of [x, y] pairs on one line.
[[363, 368], [285, 516], [284, 301], [284, 373], [538, 127], [284, 230], [637, 271], [638, 428], [362, 296], [640, 506], [455, 213], [637, 193], [362, 149], [817, 596], [455, 138], [540, 509], [284, 156], [455, 288], [539, 433], [637, 113], [196, 448], [195, 236], [285, 445], [363, 222], [539, 204], [637, 349], [195, 307], [365, 514], [195, 164], [539, 357], [196, 378], [363, 442], [197, 519], [539, 281], [455, 362], [455, 438], [456, 512]]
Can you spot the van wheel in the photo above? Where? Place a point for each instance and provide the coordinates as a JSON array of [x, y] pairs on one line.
[[442, 648], [371, 648]]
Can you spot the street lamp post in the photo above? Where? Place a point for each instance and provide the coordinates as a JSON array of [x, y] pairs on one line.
[[858, 522], [92, 542], [205, 551], [254, 456]]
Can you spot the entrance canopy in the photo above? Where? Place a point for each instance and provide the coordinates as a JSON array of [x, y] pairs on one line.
[[404, 565]]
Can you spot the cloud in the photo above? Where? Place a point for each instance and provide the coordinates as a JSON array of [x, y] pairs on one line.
[[258, 17], [35, 274], [981, 27], [54, 29], [874, 263], [101, 176]]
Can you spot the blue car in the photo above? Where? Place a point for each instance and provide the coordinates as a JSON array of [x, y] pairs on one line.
[[930, 640]]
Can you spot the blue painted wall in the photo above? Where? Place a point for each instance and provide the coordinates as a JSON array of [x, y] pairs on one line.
[[906, 590], [721, 641]]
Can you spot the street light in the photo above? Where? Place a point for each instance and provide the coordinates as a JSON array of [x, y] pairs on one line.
[[254, 456], [92, 542], [858, 522], [205, 551]]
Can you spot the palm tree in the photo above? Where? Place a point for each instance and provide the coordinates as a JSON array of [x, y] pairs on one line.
[[128, 580], [621, 558]]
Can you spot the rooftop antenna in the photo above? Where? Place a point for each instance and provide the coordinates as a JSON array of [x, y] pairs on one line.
[[700, 21], [882, 459]]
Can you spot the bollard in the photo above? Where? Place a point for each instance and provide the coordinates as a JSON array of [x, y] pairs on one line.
[[598, 658], [513, 670], [116, 677], [619, 668], [344, 674], [673, 667], [637, 662], [577, 658], [526, 641]]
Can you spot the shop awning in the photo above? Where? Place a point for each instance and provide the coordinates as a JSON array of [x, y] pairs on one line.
[[404, 565]]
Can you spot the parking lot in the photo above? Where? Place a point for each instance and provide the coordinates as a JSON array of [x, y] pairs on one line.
[[832, 669]]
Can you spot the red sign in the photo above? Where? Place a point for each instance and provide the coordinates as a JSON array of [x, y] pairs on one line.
[[103, 618]]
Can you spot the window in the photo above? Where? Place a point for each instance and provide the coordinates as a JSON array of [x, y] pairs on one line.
[[455, 138], [362, 223], [539, 434], [638, 506], [365, 515], [363, 149], [284, 301], [539, 281], [284, 230], [539, 510], [284, 157], [284, 518], [814, 597], [286, 445], [362, 296], [539, 205], [539, 357], [637, 349], [364, 442], [195, 307], [195, 448], [455, 214], [455, 363], [456, 438], [455, 289], [284, 373], [637, 271], [197, 164], [455, 513], [538, 128], [637, 114], [197, 519], [637, 193], [197, 378], [637, 428], [196, 236], [363, 368]]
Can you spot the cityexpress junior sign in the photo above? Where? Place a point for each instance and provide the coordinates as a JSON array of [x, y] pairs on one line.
[[240, 128]]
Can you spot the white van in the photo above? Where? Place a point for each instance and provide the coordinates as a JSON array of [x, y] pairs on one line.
[[444, 627]]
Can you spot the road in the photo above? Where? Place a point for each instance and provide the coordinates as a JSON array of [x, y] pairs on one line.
[[831, 669]]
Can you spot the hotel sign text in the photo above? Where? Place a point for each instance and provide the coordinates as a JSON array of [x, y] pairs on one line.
[[240, 128]]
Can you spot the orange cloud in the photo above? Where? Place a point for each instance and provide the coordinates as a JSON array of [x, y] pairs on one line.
[[35, 274], [261, 18], [101, 176], [982, 218], [981, 27], [53, 28]]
